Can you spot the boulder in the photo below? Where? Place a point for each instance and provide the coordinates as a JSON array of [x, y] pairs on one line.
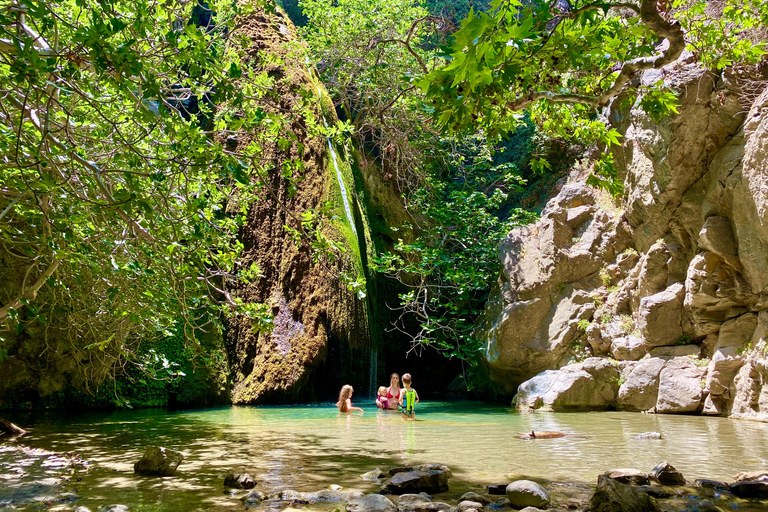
[[473, 496], [705, 483], [666, 474], [660, 316], [407, 500], [628, 476], [629, 348], [330, 496], [239, 481], [680, 388], [760, 475], [751, 490], [158, 461], [371, 503], [570, 388], [526, 493], [640, 388], [473, 505], [613, 496], [429, 480], [716, 235]]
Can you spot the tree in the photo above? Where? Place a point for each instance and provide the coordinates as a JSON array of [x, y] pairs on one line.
[[564, 61], [116, 174]]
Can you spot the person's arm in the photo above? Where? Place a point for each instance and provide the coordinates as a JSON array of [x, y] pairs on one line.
[[417, 396], [400, 396], [351, 407]]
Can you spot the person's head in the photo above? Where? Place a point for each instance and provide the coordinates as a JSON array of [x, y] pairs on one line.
[[394, 380], [382, 391], [344, 394], [407, 379]]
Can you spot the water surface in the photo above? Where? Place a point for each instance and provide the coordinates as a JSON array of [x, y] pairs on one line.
[[307, 448]]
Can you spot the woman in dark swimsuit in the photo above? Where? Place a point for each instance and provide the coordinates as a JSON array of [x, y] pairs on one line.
[[393, 391]]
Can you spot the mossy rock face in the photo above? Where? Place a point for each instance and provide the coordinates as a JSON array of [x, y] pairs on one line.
[[319, 324]]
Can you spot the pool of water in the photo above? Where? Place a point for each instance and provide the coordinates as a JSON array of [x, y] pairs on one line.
[[306, 448]]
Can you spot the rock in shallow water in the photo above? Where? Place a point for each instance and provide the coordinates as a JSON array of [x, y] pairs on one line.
[[158, 461], [525, 493], [613, 496], [239, 481], [628, 476], [432, 478], [753, 490], [371, 503], [666, 474]]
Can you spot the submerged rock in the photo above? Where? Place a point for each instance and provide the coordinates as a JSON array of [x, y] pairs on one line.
[[613, 496], [497, 489], [253, 497], [373, 475], [371, 503], [649, 435], [526, 493], [431, 478], [752, 490], [473, 496], [239, 481], [158, 461]]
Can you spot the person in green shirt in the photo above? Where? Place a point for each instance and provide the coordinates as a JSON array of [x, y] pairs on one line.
[[408, 398]]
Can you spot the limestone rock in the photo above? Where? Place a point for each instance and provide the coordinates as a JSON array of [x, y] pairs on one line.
[[693, 351], [629, 348], [239, 481], [680, 388], [666, 474], [473, 505], [158, 461], [716, 235], [371, 503], [526, 493], [640, 388], [628, 476], [613, 496], [571, 388], [660, 316]]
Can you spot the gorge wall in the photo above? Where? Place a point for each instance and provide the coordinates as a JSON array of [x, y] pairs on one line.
[[658, 301], [321, 330]]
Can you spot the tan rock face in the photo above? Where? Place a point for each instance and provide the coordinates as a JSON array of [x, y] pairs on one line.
[[684, 310]]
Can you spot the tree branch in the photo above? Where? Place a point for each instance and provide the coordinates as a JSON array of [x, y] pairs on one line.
[[30, 294]]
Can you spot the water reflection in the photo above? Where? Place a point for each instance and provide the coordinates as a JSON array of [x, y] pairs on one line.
[[306, 448]]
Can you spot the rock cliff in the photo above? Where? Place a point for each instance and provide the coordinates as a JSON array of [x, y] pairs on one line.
[[321, 328], [659, 300]]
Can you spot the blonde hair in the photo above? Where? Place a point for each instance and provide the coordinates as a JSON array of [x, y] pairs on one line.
[[384, 389], [407, 378], [344, 394], [395, 376]]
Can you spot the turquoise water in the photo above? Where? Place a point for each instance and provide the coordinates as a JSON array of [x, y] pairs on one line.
[[307, 448]]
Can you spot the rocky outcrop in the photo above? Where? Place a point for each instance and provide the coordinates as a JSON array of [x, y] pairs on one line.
[[674, 288], [317, 317]]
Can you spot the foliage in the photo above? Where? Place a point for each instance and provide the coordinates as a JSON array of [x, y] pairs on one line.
[[118, 185], [563, 61], [449, 266]]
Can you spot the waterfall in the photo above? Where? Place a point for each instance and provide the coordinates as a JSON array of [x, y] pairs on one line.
[[372, 387]]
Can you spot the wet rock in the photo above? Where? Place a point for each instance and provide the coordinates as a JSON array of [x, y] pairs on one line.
[[428, 506], [239, 481], [531, 509], [400, 469], [371, 503], [752, 490], [712, 484], [432, 478], [158, 461], [526, 493], [649, 435], [628, 476], [330, 496], [473, 496], [666, 474], [752, 476], [406, 500], [373, 475], [613, 496], [655, 491], [497, 489], [466, 504], [115, 508], [253, 497]]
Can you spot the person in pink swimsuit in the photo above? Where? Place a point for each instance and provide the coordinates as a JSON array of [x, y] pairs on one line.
[[393, 391]]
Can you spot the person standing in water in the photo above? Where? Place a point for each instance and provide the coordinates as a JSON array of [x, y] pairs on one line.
[[408, 398], [393, 391], [345, 400]]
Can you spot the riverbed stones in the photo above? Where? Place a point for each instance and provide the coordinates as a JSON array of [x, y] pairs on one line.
[[752, 476], [371, 503], [158, 461], [497, 489], [253, 497], [406, 500], [750, 490], [473, 496], [628, 476], [373, 475], [115, 508], [431, 478], [613, 496], [239, 481], [526, 493], [666, 474], [466, 504], [716, 485]]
